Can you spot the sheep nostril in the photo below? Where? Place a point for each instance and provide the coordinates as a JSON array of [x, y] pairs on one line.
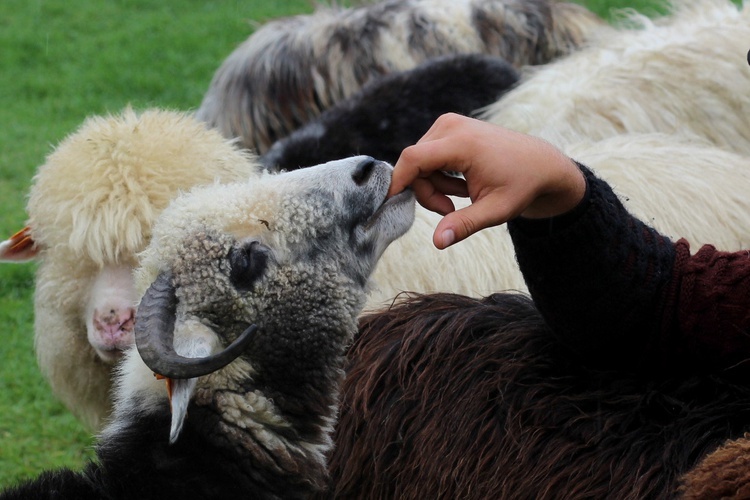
[[363, 170]]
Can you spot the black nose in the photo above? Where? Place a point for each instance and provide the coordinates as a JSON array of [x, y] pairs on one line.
[[363, 170]]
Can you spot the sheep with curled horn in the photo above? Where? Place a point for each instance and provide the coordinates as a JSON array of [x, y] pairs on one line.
[[253, 293], [448, 396], [90, 209], [292, 69], [653, 173]]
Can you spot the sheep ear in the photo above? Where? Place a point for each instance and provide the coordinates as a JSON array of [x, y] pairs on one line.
[[191, 346], [195, 342], [19, 247], [154, 337], [182, 392]]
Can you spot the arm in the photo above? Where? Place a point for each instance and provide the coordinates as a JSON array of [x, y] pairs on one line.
[[612, 288], [598, 275], [630, 298], [707, 310]]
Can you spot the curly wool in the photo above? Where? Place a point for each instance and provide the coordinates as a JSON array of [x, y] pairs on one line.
[[91, 205], [725, 473], [99, 191]]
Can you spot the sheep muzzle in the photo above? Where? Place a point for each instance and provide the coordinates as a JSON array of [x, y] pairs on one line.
[[154, 336]]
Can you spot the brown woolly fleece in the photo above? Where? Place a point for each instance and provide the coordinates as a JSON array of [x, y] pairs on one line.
[[725, 473]]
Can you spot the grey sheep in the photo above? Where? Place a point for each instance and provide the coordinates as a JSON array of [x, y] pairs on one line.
[[279, 268], [292, 69]]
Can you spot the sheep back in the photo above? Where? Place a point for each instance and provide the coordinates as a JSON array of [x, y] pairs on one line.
[[394, 111], [291, 69], [454, 397], [685, 73], [683, 187]]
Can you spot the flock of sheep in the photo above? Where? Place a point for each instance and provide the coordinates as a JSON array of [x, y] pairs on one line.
[[205, 228]]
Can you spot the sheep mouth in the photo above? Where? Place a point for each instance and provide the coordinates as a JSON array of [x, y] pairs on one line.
[[109, 355], [390, 220], [398, 210]]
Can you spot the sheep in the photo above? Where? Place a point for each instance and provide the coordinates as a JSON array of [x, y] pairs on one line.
[[683, 74], [447, 396], [723, 473], [657, 173], [279, 268], [290, 70], [366, 124], [90, 208], [654, 174]]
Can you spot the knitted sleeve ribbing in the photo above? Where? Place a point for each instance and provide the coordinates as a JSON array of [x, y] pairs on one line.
[[706, 322], [598, 276]]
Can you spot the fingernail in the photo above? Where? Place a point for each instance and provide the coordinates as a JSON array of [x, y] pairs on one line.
[[448, 237]]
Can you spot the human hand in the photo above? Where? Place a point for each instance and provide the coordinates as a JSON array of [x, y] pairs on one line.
[[506, 173]]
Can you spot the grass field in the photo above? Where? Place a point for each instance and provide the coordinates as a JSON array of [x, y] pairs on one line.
[[60, 62]]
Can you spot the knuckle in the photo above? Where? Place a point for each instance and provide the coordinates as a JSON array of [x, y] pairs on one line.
[[468, 226], [449, 120], [409, 155]]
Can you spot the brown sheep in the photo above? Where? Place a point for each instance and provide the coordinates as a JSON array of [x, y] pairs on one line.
[[454, 397], [725, 473]]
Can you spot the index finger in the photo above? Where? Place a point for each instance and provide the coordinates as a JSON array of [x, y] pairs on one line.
[[421, 160]]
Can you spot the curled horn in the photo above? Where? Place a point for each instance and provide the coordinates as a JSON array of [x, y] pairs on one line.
[[154, 336]]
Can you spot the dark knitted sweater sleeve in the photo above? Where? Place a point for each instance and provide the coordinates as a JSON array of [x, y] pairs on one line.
[[623, 296], [706, 321], [598, 275]]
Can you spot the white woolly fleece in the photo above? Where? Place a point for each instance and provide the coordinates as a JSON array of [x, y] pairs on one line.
[[685, 73], [92, 205]]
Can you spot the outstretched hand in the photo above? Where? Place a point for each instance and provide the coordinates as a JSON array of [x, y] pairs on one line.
[[506, 173]]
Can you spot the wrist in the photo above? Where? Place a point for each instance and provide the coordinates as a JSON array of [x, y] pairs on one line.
[[562, 196]]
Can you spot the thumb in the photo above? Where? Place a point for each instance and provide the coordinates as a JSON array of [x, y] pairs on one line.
[[452, 228], [460, 224]]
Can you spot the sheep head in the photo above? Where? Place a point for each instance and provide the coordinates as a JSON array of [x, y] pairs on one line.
[[278, 269]]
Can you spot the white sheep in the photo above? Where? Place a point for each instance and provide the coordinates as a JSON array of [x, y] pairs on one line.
[[90, 208], [685, 73], [291, 69], [683, 188], [278, 267]]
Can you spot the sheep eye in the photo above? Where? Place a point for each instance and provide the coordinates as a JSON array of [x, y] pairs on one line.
[[247, 264]]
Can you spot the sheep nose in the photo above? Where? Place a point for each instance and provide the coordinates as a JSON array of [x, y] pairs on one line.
[[363, 170]]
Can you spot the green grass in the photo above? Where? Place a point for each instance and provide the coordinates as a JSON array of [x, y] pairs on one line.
[[60, 62]]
